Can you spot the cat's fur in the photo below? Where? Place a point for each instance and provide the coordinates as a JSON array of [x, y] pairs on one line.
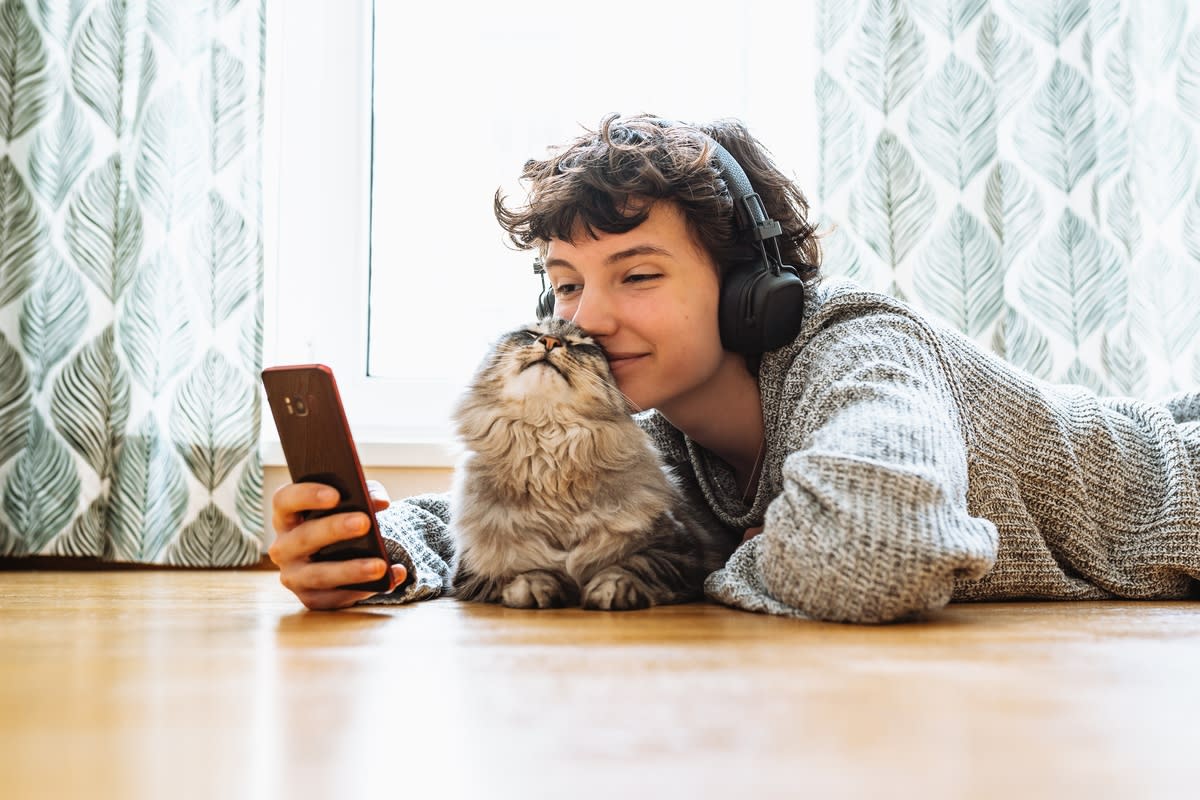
[[560, 498]]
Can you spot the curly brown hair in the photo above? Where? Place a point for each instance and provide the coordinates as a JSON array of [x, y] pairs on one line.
[[602, 178]]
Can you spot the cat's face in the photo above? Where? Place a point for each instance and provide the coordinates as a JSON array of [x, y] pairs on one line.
[[549, 363]]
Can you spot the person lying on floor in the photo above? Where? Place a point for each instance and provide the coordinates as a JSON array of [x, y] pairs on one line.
[[874, 464]]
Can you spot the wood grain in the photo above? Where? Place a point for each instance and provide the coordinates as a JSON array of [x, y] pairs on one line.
[[217, 684]]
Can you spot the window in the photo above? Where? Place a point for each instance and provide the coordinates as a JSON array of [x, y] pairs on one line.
[[386, 262]]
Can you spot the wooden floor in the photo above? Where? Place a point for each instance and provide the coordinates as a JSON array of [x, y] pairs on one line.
[[217, 684]]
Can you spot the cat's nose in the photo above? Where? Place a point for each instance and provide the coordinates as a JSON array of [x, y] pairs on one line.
[[549, 342]]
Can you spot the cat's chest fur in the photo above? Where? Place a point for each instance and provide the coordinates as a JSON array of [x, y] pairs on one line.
[[562, 497]]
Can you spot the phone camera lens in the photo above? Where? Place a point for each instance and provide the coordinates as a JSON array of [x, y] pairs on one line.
[[299, 407]]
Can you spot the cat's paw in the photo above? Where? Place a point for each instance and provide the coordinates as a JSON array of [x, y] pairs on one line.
[[614, 589], [534, 590]]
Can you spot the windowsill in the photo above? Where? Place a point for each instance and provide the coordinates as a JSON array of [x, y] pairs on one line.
[[413, 454]]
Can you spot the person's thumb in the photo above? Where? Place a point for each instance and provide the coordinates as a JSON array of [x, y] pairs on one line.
[[379, 496]]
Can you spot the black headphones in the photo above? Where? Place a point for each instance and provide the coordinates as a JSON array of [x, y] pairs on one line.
[[762, 302]]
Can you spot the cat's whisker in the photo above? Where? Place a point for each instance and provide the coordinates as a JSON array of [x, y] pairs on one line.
[[628, 402], [602, 384]]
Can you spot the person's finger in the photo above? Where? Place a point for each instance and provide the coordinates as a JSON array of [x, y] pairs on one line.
[[291, 500], [317, 533], [319, 576], [379, 495], [331, 599], [300, 542]]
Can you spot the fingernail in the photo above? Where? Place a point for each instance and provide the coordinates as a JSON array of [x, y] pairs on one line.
[[327, 495], [353, 522]]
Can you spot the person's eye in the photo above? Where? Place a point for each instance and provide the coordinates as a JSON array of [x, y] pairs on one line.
[[565, 289], [643, 277]]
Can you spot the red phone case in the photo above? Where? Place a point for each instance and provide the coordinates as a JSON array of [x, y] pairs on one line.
[[318, 446]]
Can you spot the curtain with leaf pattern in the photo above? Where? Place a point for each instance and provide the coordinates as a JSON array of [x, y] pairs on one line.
[[1026, 170], [131, 279]]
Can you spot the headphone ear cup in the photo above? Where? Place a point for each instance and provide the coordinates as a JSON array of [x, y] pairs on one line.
[[759, 310]]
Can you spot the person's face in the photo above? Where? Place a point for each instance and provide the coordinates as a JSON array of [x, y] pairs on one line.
[[649, 297]]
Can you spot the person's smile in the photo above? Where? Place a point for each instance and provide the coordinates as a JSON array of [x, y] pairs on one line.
[[619, 362]]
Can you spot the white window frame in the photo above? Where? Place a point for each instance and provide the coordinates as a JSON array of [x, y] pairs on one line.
[[317, 225], [317, 174]]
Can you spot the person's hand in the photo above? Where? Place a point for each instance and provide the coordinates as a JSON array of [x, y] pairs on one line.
[[751, 533], [316, 582]]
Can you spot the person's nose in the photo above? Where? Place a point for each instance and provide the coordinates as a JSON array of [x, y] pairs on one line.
[[549, 342], [595, 313]]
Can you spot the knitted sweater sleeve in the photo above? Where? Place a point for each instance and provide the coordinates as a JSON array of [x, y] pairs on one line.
[[416, 531], [872, 523]]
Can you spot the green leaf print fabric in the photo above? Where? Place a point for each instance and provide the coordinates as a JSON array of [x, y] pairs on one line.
[[131, 280], [1026, 170]]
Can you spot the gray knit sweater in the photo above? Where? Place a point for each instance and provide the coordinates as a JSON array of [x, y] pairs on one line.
[[907, 467]]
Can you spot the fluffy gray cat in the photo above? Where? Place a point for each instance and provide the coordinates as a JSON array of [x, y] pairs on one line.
[[560, 498]]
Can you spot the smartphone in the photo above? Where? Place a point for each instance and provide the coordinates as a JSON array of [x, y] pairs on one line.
[[316, 441]]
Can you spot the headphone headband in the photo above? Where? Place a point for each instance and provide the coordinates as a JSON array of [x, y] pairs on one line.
[[747, 205]]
